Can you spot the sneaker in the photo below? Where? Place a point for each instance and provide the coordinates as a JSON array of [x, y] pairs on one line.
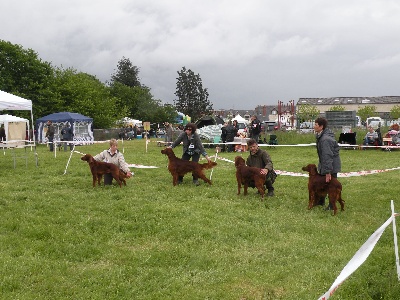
[[270, 193], [196, 182]]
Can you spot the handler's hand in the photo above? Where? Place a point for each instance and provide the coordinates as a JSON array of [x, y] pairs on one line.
[[264, 171], [328, 177]]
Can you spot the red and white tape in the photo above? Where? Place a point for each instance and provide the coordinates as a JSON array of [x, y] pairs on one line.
[[345, 174], [360, 257]]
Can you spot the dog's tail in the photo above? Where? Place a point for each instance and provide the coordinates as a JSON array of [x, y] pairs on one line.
[[208, 165]]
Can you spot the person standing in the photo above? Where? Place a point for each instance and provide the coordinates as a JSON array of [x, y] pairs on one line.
[[168, 133], [67, 135], [50, 134], [261, 159], [112, 155], [255, 128], [3, 136], [223, 136], [192, 147], [231, 132], [329, 163]]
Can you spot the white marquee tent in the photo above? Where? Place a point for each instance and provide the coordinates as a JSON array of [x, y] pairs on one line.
[[12, 102]]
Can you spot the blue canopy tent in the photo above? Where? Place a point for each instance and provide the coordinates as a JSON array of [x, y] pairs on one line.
[[80, 124]]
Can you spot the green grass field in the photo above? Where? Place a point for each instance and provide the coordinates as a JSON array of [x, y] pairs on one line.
[[61, 238]]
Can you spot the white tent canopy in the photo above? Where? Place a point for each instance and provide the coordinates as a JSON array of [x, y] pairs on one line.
[[239, 118], [12, 102]]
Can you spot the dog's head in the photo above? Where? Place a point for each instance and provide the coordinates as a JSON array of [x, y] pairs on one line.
[[239, 161], [88, 158], [311, 169], [167, 151]]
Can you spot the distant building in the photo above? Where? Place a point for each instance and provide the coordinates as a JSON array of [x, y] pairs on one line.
[[383, 104], [270, 112]]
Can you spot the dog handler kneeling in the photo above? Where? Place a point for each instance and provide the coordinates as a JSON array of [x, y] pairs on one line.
[[261, 159], [115, 157]]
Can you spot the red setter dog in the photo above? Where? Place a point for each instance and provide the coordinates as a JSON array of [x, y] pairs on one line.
[[318, 187], [245, 174], [179, 167], [99, 168]]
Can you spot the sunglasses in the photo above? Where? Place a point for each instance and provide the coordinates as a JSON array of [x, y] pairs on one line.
[[190, 129]]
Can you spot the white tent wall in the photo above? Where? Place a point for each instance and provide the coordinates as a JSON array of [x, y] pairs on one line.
[[82, 131], [15, 129]]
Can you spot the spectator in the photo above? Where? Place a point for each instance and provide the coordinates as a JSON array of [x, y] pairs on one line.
[[2, 133], [223, 136], [67, 135], [50, 134], [371, 137], [168, 133], [231, 132], [255, 128]]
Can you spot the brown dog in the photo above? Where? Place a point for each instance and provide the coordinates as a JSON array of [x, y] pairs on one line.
[[99, 168], [245, 174], [318, 187], [179, 167]]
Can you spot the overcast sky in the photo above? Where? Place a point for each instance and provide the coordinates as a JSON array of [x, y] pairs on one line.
[[248, 53]]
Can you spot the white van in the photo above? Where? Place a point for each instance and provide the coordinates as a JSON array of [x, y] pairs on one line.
[[307, 127], [374, 122]]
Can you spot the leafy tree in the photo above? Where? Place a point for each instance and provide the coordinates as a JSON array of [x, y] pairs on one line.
[[127, 73], [24, 74], [307, 112], [192, 97], [366, 112], [395, 112], [85, 94], [337, 108]]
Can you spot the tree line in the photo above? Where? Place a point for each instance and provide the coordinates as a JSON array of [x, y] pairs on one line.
[[54, 89]]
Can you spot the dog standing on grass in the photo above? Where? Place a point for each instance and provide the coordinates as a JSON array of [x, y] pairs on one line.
[[179, 167], [98, 169], [245, 175], [318, 187]]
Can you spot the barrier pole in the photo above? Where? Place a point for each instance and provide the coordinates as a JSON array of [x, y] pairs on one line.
[[396, 248]]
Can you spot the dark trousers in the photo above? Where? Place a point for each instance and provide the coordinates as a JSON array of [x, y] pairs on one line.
[[71, 146], [51, 145], [108, 179], [322, 199], [195, 157]]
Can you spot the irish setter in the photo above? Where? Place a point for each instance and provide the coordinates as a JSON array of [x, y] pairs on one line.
[[318, 187], [179, 167], [99, 168], [245, 175]]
